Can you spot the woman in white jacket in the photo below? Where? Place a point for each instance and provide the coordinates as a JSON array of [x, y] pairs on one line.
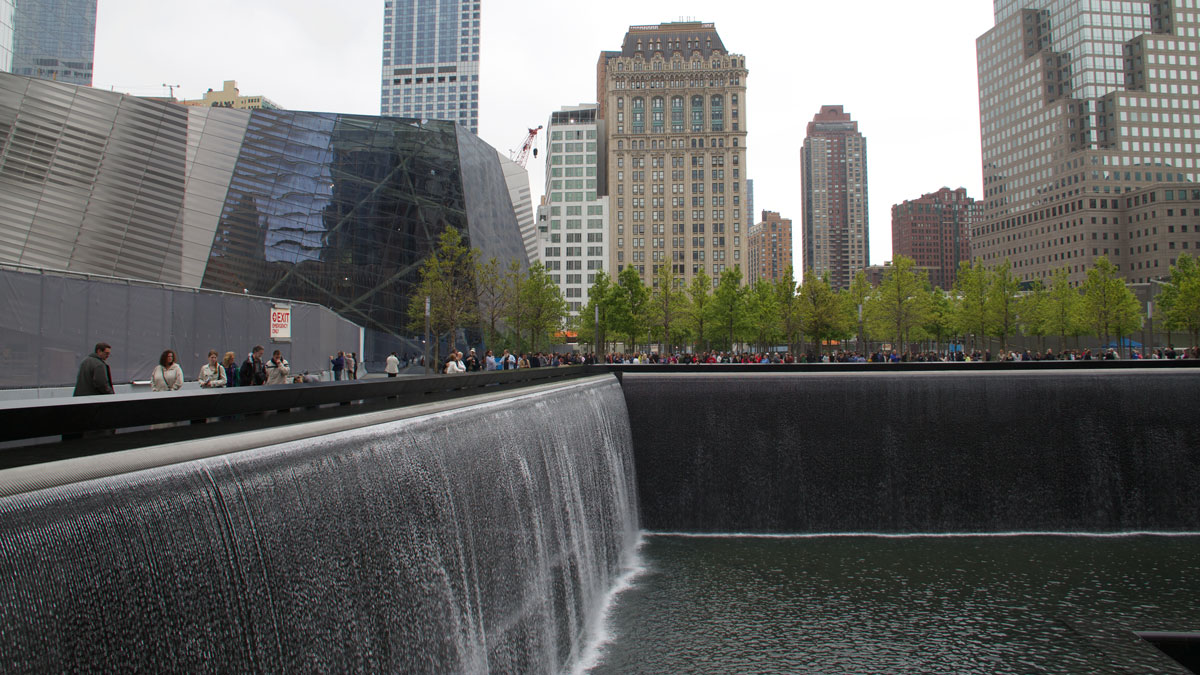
[[167, 375], [212, 374]]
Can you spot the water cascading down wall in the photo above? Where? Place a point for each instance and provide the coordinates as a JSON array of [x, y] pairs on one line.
[[483, 536], [476, 539]]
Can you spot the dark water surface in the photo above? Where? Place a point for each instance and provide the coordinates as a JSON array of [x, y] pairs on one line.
[[999, 604]]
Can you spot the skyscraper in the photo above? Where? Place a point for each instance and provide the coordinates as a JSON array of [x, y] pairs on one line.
[[431, 60], [833, 171], [673, 104], [49, 39], [935, 232], [572, 239], [770, 247], [1090, 115]]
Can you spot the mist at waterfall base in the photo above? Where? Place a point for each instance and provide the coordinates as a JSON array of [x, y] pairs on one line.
[[870, 604], [476, 540]]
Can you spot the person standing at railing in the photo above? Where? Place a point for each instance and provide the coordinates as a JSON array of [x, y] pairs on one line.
[[253, 372], [229, 363], [95, 377], [167, 375], [212, 374], [337, 364], [278, 369], [393, 365]]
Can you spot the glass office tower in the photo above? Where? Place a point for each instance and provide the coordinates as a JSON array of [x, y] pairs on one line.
[[51, 39], [431, 60]]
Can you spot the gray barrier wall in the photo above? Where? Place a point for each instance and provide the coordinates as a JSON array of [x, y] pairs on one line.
[[913, 452], [53, 319]]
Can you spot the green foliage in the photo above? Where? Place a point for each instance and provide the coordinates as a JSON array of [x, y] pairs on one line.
[[821, 312], [900, 305], [700, 306], [490, 298], [855, 301], [447, 279], [1179, 300], [630, 298], [728, 308], [971, 289], [940, 322], [1033, 313], [762, 315], [788, 304], [667, 307], [542, 305], [1063, 309], [1109, 307], [599, 299], [1002, 303]]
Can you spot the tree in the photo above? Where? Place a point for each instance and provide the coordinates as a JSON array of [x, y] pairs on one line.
[[700, 297], [1180, 298], [1109, 307], [940, 322], [1063, 306], [729, 306], [855, 299], [1033, 313], [667, 305], [629, 302], [789, 309], [901, 302], [447, 279], [598, 305], [820, 309], [1002, 303], [543, 305], [971, 287], [491, 298], [762, 314], [514, 300]]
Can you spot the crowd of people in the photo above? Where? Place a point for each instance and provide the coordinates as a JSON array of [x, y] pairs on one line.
[[95, 376]]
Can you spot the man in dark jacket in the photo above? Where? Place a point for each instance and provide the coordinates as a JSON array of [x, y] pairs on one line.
[[253, 371], [95, 377]]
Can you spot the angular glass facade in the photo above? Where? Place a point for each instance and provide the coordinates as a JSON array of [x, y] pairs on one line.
[[338, 210]]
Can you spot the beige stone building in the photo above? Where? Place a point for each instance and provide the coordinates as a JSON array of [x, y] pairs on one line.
[[1090, 120], [673, 109], [230, 97]]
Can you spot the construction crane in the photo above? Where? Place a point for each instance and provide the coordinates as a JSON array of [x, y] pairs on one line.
[[521, 157]]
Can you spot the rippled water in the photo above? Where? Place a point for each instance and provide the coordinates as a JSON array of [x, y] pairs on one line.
[[1015, 604]]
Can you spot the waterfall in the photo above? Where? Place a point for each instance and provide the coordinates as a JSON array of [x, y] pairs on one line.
[[481, 538]]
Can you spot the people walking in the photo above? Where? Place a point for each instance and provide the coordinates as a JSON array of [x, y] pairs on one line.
[[167, 375], [393, 365], [95, 377], [277, 369], [253, 371], [213, 374]]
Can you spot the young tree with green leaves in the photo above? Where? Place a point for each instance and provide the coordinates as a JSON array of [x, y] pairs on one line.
[[514, 301], [855, 299], [1179, 300], [728, 308], [940, 322], [1033, 313], [1063, 308], [543, 306], [788, 303], [447, 279], [900, 304], [700, 306], [971, 289], [667, 306], [821, 314], [599, 301], [629, 303], [1109, 307], [762, 314], [1002, 303], [490, 298]]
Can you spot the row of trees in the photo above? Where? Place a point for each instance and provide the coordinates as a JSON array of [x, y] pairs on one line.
[[524, 308]]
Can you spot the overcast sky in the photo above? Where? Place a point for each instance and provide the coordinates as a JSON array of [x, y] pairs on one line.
[[904, 70]]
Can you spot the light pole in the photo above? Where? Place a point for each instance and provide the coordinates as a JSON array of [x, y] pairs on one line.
[[427, 335]]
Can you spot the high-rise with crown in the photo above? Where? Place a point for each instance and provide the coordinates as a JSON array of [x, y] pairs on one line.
[[431, 60], [1090, 121], [834, 237], [49, 39], [673, 109]]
